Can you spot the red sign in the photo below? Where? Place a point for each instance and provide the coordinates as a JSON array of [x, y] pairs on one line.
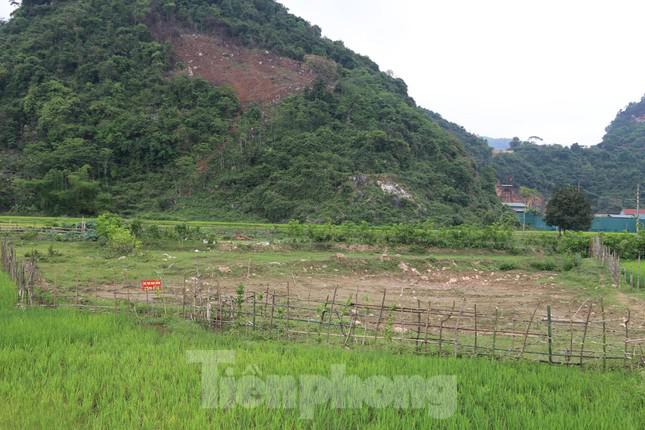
[[153, 284]]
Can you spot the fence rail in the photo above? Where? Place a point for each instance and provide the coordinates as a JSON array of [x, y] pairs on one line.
[[611, 260], [587, 337]]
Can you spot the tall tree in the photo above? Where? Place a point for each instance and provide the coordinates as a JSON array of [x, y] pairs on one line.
[[569, 209]]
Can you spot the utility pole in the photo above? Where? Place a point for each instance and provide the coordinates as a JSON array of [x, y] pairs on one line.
[[638, 206]]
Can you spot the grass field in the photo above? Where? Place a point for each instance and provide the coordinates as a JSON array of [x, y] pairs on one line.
[[62, 369], [85, 261], [488, 278]]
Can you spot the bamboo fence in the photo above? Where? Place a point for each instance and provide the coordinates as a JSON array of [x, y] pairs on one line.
[[587, 337], [611, 260]]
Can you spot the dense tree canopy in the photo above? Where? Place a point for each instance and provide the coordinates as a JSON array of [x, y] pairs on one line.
[[569, 209], [608, 172], [93, 117]]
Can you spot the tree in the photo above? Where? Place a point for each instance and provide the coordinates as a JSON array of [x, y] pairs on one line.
[[569, 209], [117, 238]]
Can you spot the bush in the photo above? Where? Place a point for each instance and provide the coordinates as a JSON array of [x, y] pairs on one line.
[[544, 265], [505, 267], [628, 246], [574, 243], [118, 239], [571, 262]]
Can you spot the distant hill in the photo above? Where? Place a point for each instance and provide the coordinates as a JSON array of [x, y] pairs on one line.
[[218, 109], [608, 172], [501, 143]]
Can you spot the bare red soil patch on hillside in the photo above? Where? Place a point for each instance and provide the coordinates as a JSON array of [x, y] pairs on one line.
[[257, 76]]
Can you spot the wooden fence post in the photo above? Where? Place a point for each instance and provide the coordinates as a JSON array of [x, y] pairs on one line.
[[253, 311], [443, 321], [194, 312], [272, 311], [266, 304], [570, 354], [629, 315], [528, 329], [183, 299], [323, 313], [604, 335], [584, 334], [550, 333], [380, 314], [418, 323], [457, 327], [366, 321], [288, 309], [476, 351], [220, 305], [495, 331], [331, 312], [425, 340]]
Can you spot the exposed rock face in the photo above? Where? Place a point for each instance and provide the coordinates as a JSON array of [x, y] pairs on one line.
[[394, 189]]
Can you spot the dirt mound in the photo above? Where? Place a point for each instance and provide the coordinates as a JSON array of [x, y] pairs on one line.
[[257, 76]]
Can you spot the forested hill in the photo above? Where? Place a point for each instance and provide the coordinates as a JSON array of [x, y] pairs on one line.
[[608, 172], [216, 109]]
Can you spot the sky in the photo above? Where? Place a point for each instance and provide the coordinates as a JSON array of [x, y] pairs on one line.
[[558, 69]]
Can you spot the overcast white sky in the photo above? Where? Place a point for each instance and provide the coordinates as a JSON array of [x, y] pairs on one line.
[[559, 69]]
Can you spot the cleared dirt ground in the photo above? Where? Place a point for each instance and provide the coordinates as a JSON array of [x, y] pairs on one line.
[[257, 76]]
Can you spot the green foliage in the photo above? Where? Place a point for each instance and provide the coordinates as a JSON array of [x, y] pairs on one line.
[[608, 172], [563, 263], [118, 238], [60, 192], [92, 119], [628, 246], [507, 266], [569, 209], [425, 235], [548, 265], [574, 243]]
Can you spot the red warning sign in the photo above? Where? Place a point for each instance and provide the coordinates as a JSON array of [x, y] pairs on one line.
[[151, 284]]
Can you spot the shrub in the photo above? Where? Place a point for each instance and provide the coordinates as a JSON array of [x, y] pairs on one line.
[[506, 266], [544, 265], [118, 239], [152, 231], [574, 243], [136, 228], [571, 261]]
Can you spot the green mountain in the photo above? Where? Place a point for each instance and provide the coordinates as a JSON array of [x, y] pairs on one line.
[[608, 172], [222, 109]]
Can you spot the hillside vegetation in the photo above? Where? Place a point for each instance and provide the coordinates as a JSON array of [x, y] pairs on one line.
[[607, 172], [97, 112]]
